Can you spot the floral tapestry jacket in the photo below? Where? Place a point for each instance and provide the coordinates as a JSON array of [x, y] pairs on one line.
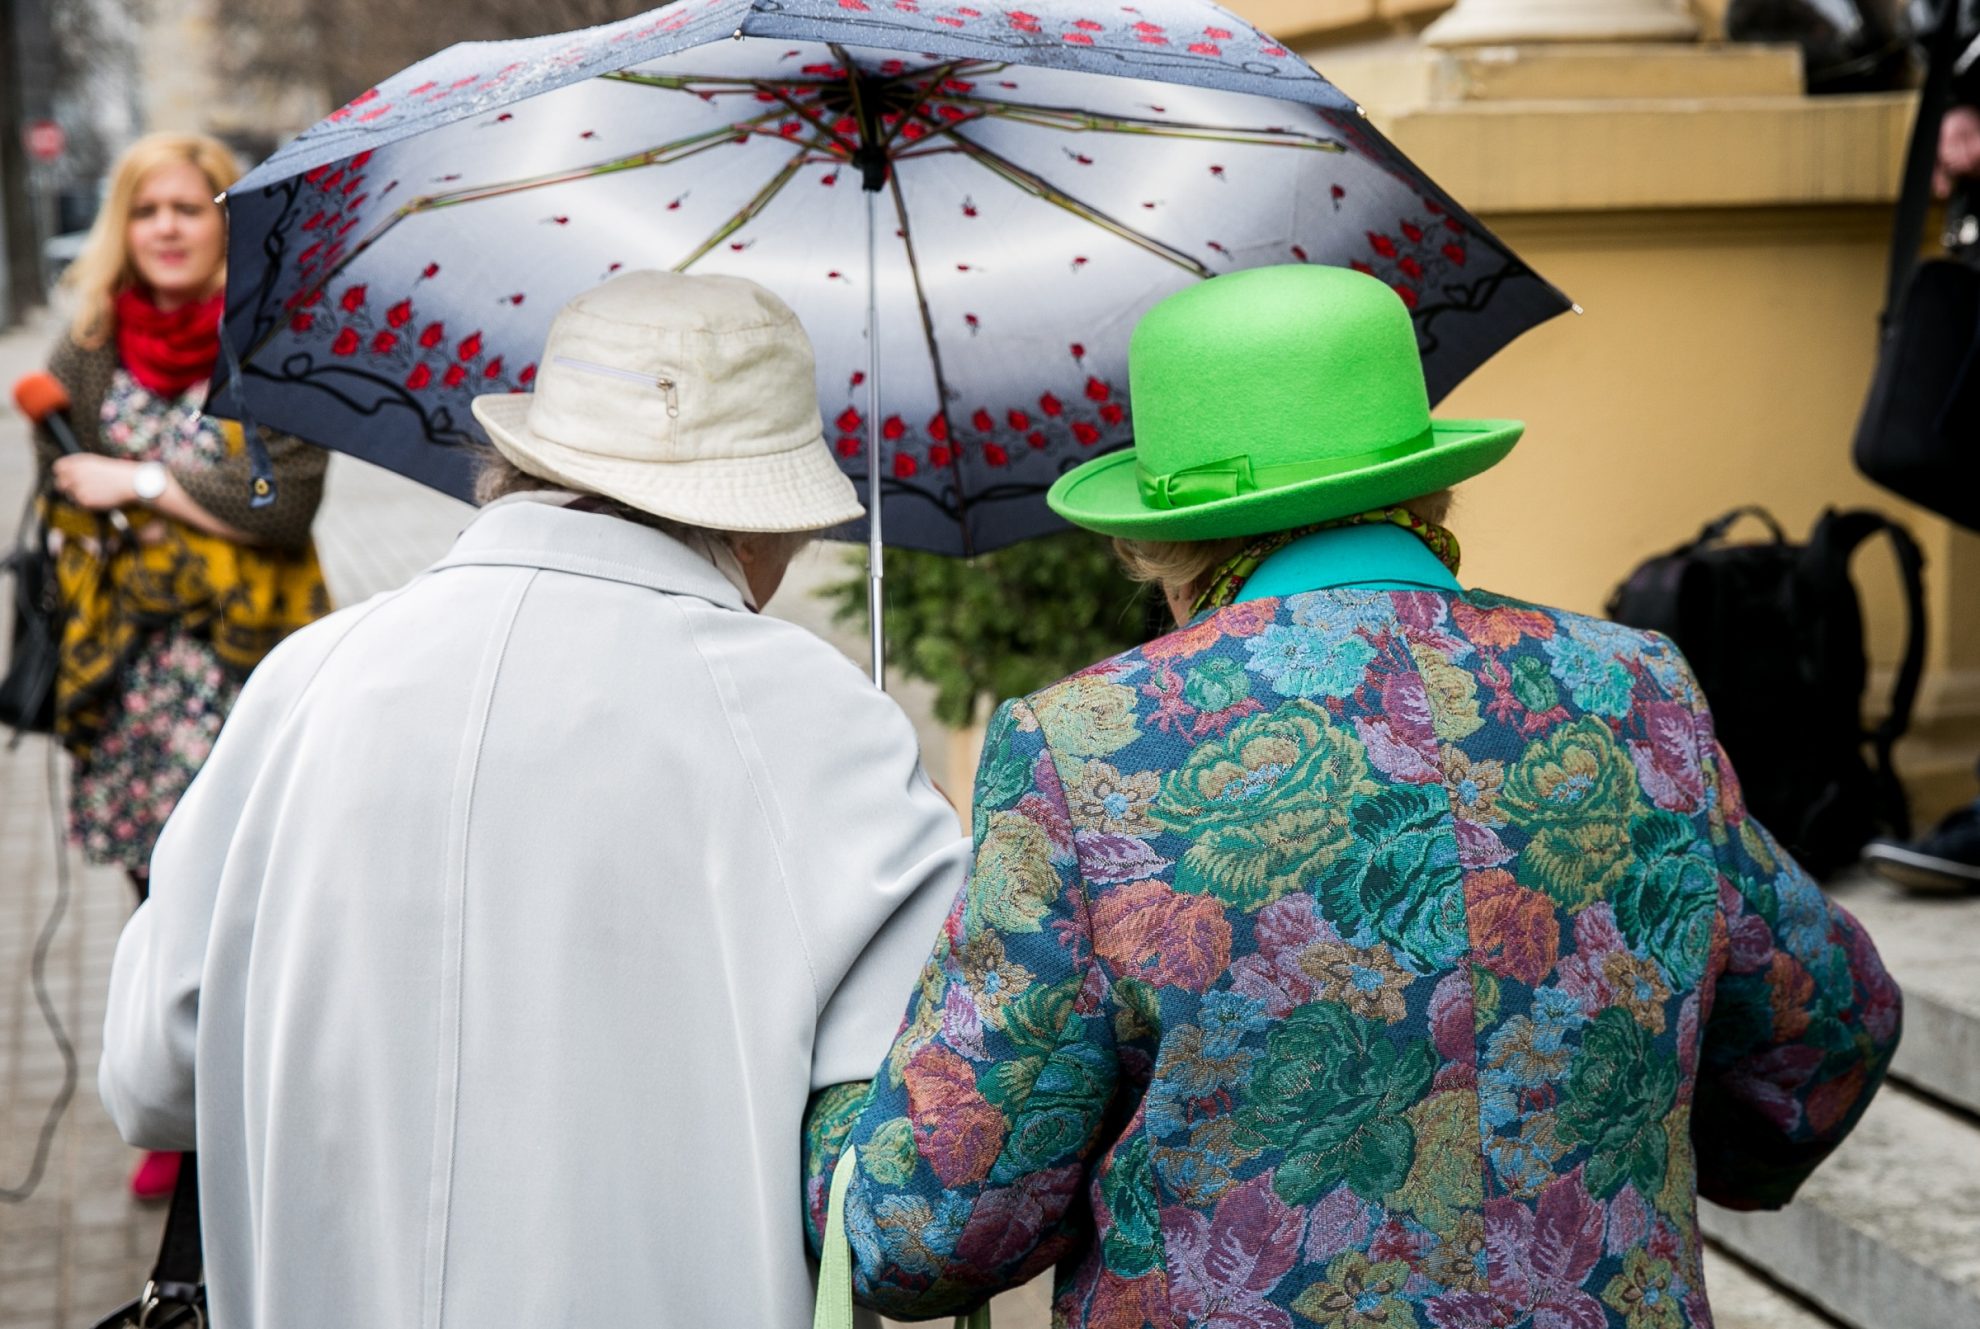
[[1358, 959]]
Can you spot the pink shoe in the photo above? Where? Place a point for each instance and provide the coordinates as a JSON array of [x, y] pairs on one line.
[[156, 1176]]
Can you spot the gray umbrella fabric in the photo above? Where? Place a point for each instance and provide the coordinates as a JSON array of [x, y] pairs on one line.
[[1025, 183]]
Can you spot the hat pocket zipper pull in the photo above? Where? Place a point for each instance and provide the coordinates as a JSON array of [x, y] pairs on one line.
[[666, 385]]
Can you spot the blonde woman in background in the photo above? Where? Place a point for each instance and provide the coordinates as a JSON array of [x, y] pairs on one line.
[[165, 620]]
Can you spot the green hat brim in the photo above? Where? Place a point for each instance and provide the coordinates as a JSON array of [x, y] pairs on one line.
[[1104, 494]]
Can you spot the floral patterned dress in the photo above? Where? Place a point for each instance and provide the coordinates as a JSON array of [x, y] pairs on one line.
[[174, 692], [1356, 959]]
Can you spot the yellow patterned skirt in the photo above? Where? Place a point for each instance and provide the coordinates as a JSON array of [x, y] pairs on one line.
[[122, 590]]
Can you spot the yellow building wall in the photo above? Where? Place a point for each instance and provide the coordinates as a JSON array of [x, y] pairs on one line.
[[1721, 361], [1730, 254]]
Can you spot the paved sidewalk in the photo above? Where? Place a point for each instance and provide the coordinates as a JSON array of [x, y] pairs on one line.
[[77, 1246], [80, 1245]]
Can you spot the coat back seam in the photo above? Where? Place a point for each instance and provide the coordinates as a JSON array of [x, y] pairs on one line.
[[446, 1108]]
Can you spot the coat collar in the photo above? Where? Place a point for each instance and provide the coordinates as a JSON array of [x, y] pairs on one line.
[[588, 544]]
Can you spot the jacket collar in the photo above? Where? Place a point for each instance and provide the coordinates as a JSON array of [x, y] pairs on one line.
[[588, 544], [1373, 557]]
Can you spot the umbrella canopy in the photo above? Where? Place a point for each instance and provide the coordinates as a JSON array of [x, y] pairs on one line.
[[1043, 176]]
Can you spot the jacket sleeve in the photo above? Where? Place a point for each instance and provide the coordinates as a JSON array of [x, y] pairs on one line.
[[151, 1022], [870, 852], [65, 363], [1803, 1020], [1965, 89], [225, 490], [974, 1138]]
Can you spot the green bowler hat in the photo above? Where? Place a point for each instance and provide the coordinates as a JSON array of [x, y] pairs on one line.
[[1271, 399]]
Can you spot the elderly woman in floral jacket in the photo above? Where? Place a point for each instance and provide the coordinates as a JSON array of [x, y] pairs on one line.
[[1370, 951]]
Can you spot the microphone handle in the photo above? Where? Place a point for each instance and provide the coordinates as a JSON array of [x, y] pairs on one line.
[[57, 423], [66, 441]]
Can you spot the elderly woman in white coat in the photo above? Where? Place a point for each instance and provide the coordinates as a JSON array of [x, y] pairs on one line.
[[492, 958]]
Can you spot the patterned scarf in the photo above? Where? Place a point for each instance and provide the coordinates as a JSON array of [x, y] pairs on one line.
[[168, 353], [1234, 572]]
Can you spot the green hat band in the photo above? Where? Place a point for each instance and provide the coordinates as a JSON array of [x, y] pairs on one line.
[[1227, 477]]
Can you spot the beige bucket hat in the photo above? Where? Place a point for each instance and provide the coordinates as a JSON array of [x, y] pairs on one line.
[[691, 398]]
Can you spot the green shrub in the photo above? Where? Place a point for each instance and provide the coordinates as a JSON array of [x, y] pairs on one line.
[[1003, 624]]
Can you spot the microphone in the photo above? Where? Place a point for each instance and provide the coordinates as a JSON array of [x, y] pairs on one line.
[[42, 399]]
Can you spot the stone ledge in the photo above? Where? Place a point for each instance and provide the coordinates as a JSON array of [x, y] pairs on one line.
[[1741, 1300], [1489, 22], [1325, 20], [1608, 72], [1659, 155], [1887, 1234]]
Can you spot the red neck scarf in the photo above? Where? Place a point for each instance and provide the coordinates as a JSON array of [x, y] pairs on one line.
[[168, 353]]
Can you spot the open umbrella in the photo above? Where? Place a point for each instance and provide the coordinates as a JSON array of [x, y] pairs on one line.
[[968, 207]]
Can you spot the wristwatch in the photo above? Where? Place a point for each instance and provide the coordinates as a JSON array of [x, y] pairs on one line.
[[148, 481]]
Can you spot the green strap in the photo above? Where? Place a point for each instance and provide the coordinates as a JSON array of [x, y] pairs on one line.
[[834, 1307]]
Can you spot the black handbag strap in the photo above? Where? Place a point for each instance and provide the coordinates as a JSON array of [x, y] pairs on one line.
[[1849, 530], [181, 1261], [1942, 54], [1715, 531], [30, 531]]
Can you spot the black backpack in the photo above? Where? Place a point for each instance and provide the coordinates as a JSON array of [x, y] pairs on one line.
[[1775, 635]]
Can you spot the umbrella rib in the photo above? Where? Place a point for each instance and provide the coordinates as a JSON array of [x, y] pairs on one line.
[[749, 210], [1076, 121], [934, 359], [1039, 187], [666, 154], [937, 76], [685, 82]]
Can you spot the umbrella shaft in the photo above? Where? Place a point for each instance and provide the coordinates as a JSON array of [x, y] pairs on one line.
[[876, 562]]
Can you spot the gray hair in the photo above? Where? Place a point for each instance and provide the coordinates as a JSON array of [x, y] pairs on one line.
[[498, 477]]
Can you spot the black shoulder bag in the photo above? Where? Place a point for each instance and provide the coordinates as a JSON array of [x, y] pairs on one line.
[[27, 689], [1919, 436], [175, 1295]]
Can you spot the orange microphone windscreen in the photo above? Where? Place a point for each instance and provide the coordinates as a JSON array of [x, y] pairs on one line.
[[40, 395]]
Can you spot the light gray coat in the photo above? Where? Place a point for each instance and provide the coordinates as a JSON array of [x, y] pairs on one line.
[[493, 956]]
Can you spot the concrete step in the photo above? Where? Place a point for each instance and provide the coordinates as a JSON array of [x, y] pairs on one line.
[[1887, 1234], [1742, 1299], [1929, 945]]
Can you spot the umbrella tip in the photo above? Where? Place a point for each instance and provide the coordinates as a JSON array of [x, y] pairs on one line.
[[1361, 110], [1578, 309], [736, 35]]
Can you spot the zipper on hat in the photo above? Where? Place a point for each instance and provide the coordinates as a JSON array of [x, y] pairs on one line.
[[666, 385]]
